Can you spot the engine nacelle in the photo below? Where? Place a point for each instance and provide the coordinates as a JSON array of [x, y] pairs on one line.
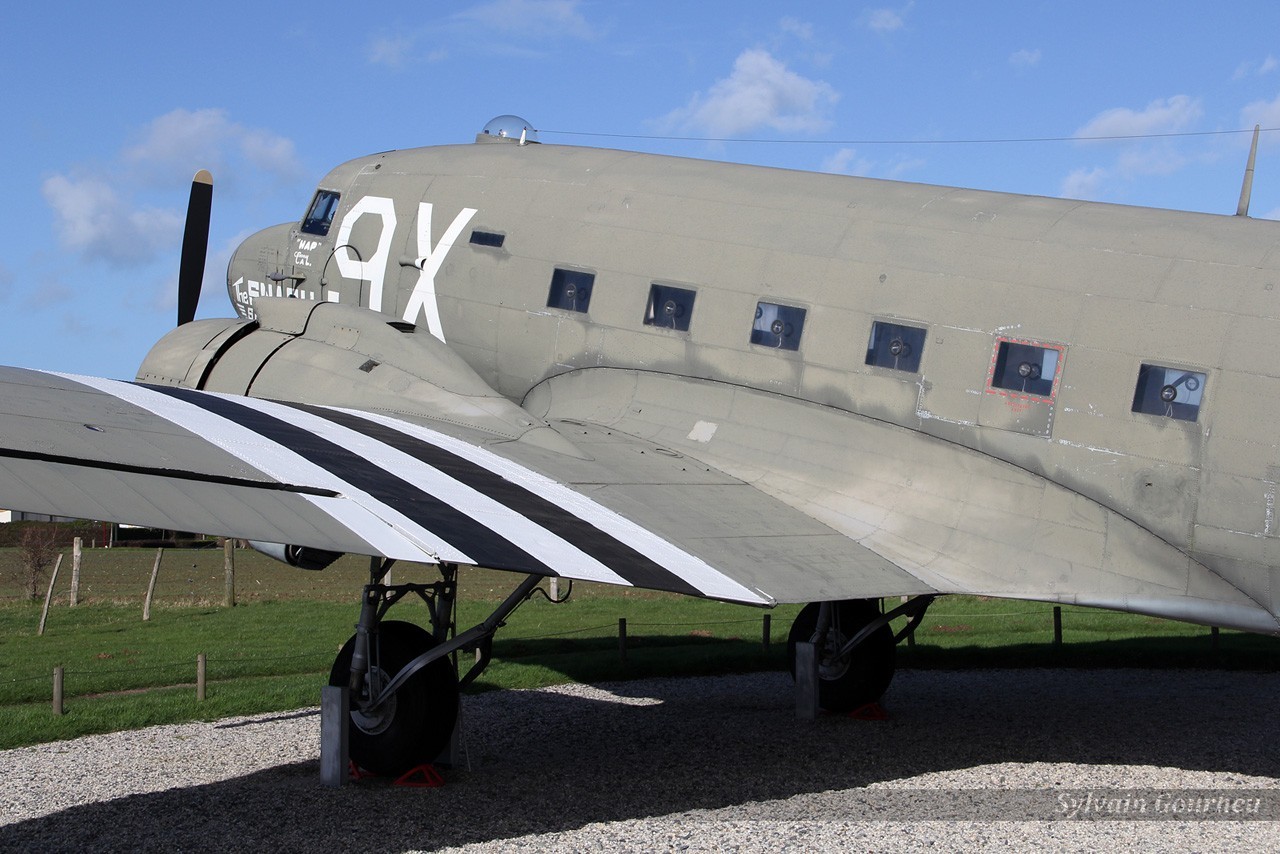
[[300, 556], [331, 354]]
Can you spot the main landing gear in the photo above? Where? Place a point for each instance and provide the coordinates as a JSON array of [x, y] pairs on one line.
[[402, 679], [854, 648]]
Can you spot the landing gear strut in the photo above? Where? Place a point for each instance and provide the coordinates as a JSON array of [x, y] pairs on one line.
[[855, 647], [403, 679]]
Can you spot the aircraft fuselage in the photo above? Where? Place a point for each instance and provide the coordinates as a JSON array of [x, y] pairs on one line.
[[1126, 354]]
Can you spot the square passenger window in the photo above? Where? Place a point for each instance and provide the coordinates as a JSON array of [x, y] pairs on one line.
[[320, 215], [570, 290], [777, 326], [895, 346], [1026, 368], [669, 307], [1171, 392]]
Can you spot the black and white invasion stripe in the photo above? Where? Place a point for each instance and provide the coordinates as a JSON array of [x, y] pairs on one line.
[[413, 493]]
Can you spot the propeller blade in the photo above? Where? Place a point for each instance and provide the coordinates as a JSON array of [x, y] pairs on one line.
[[195, 243]]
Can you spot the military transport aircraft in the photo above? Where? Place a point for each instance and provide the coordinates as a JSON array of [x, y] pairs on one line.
[[735, 382]]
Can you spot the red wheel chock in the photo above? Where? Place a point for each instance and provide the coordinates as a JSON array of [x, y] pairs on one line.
[[869, 712], [425, 776], [355, 772]]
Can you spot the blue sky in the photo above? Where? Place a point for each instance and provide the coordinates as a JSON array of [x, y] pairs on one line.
[[110, 108]]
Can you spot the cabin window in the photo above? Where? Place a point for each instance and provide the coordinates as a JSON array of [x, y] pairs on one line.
[[777, 326], [1171, 392], [570, 290], [1026, 368], [669, 307], [487, 238], [894, 346], [320, 215]]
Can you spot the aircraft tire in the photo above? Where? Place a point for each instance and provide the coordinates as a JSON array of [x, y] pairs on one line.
[[866, 674], [417, 723]]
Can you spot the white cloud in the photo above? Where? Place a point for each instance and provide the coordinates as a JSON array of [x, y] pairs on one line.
[[1025, 58], [391, 51], [1249, 68], [1160, 159], [103, 213], [533, 18], [1083, 183], [904, 167], [884, 20], [1163, 115], [760, 92], [400, 51], [270, 152], [93, 220], [797, 28], [522, 28], [1265, 113], [847, 162], [50, 293], [177, 143]]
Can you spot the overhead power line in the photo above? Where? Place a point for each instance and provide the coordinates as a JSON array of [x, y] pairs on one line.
[[1011, 140]]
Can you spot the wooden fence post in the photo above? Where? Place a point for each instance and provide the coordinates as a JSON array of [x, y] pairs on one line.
[[201, 668], [622, 639], [768, 630], [1057, 626], [57, 690], [48, 596], [77, 555], [151, 586], [229, 572]]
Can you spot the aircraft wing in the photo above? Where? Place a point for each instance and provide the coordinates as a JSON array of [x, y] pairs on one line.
[[680, 485], [626, 511]]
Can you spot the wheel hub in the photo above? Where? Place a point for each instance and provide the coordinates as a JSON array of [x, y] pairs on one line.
[[375, 719], [831, 665]]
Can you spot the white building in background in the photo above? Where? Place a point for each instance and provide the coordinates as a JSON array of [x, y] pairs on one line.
[[6, 516]]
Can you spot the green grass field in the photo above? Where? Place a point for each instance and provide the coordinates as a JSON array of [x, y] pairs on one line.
[[273, 651]]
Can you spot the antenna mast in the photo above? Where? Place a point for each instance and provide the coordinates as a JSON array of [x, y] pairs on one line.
[[1245, 191]]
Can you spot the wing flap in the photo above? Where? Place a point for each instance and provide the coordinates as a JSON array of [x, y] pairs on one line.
[[760, 541]]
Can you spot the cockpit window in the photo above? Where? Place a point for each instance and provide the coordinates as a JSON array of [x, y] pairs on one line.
[[487, 238], [320, 215], [1171, 392], [777, 326]]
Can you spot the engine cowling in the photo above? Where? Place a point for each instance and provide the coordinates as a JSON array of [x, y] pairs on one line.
[[331, 354]]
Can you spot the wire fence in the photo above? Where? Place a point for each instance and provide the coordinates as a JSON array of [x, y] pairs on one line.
[[132, 678]]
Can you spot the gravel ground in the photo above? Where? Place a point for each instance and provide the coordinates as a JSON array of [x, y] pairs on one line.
[[1058, 759]]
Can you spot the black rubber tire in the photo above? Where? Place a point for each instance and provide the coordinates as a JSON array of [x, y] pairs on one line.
[[426, 707], [871, 664]]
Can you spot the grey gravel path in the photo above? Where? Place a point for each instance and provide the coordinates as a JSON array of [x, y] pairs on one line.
[[1014, 759]]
